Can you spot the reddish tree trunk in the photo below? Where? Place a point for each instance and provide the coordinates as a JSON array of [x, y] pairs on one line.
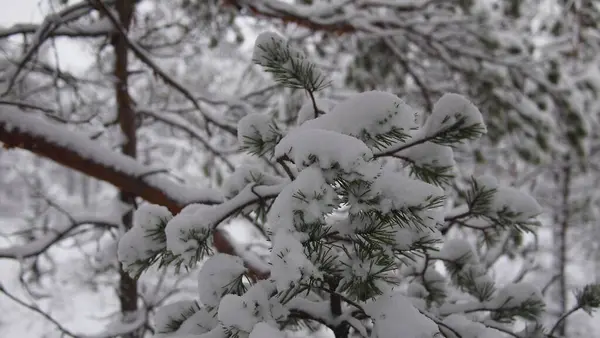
[[127, 286]]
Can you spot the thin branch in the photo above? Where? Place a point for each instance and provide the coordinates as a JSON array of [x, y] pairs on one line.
[[287, 169], [392, 151], [174, 122], [36, 309], [42, 244], [563, 318], [26, 105], [44, 31], [314, 103], [142, 55], [549, 284]]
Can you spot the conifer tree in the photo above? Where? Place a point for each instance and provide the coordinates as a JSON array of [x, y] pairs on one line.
[[356, 245]]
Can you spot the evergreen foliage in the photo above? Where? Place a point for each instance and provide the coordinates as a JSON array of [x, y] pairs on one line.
[[354, 242]]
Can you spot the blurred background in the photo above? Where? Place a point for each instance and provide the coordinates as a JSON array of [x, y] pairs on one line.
[[168, 84]]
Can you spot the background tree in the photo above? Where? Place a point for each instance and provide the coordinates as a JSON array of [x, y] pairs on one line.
[[107, 117]]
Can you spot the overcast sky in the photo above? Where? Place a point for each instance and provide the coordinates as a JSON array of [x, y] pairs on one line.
[[19, 11]]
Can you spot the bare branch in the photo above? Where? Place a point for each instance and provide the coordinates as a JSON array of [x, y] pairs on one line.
[[177, 122], [45, 30], [36, 309], [43, 243], [139, 52]]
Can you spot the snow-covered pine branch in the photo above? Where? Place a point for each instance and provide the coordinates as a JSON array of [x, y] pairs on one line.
[[354, 242]]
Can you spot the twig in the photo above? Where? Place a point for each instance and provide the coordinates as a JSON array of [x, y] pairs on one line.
[[26, 105], [562, 319], [37, 310], [141, 54], [45, 30], [549, 284], [287, 169], [314, 103]]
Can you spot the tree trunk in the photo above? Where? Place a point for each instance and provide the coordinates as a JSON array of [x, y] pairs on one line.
[[562, 218], [126, 115]]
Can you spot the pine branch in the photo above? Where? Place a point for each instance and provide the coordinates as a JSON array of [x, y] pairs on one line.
[[563, 318], [455, 133]]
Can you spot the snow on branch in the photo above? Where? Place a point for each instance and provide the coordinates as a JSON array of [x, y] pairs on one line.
[[77, 151], [98, 29], [334, 16], [183, 239]]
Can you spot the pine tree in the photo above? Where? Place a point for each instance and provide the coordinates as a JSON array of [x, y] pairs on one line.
[[356, 245]]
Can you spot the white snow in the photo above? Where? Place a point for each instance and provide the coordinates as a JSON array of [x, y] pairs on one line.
[[197, 221], [147, 216], [264, 42], [135, 246], [200, 322], [194, 222], [319, 198], [397, 191], [264, 330], [216, 332], [447, 111], [515, 294], [327, 149], [403, 239], [138, 244], [235, 312], [519, 203], [176, 311], [255, 306], [255, 126], [245, 175], [289, 264], [307, 111], [13, 119], [394, 314], [366, 115], [429, 154], [487, 182], [458, 250], [216, 274], [469, 329]]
